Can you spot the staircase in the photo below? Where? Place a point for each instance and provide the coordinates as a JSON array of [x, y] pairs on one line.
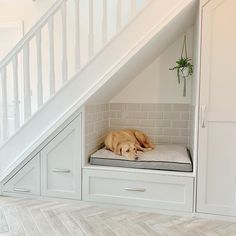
[[62, 62]]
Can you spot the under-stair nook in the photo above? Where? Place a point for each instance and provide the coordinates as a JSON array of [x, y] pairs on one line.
[[90, 67]]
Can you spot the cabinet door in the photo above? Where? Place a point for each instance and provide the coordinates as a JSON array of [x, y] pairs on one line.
[[61, 163], [217, 128], [26, 181]]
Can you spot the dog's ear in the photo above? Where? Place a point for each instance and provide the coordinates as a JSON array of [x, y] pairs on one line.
[[139, 136], [143, 139]]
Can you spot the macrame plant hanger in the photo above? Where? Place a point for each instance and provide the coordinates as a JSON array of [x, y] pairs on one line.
[[184, 51]]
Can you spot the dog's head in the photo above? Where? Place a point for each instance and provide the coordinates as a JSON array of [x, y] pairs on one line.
[[128, 150]]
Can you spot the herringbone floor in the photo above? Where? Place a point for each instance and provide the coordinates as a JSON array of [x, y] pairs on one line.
[[34, 217]]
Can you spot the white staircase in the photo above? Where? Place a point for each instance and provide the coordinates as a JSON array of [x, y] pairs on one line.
[[51, 53], [49, 75]]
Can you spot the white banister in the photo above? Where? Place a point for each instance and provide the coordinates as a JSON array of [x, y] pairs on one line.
[[91, 33], [133, 8], [4, 104], [32, 65], [39, 69], [118, 16], [51, 56], [77, 35], [104, 22], [26, 74], [64, 44], [39, 25], [16, 92]]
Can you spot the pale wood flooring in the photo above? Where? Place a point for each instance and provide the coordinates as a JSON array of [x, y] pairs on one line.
[[32, 217]]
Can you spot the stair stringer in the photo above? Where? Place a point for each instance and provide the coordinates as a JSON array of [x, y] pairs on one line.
[[107, 63]]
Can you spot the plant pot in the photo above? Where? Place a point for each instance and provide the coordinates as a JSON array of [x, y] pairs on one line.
[[184, 72]]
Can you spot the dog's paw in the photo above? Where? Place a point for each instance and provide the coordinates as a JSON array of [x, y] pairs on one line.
[[147, 149]]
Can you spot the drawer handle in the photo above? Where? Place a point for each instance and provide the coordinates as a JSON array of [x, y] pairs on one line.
[[22, 190], [61, 170], [136, 189]]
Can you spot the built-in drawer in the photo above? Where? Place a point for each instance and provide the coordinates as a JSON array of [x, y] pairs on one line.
[[26, 181], [138, 189], [61, 163]]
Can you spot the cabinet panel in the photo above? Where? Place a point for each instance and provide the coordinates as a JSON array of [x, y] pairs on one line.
[[61, 163], [221, 163], [26, 181], [138, 189], [216, 190]]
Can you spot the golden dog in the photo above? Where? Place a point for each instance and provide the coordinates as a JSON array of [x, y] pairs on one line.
[[127, 142]]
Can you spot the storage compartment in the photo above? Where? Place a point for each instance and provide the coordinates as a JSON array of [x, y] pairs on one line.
[[152, 101], [61, 163], [26, 181], [216, 185], [56, 170], [138, 189]]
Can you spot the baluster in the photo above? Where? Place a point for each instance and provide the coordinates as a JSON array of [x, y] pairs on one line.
[[104, 22], [91, 35], [64, 43], [51, 55], [133, 8], [39, 69], [27, 92], [16, 92], [4, 105], [77, 35], [118, 16]]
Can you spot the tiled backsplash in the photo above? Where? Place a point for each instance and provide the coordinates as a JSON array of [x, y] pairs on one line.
[[96, 126], [163, 123]]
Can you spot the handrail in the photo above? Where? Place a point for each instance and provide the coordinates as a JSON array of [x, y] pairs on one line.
[[28, 36], [36, 75]]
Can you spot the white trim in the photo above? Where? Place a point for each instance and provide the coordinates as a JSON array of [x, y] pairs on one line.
[[141, 171]]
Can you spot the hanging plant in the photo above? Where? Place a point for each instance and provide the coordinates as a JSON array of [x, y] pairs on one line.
[[183, 66]]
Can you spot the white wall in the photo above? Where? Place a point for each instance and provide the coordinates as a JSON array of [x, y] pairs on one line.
[[157, 84], [10, 33], [27, 11]]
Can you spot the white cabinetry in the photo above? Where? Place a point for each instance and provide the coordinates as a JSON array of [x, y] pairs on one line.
[[138, 189], [26, 181], [217, 128], [55, 171], [61, 163]]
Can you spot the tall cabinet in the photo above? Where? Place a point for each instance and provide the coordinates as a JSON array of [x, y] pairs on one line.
[[216, 190]]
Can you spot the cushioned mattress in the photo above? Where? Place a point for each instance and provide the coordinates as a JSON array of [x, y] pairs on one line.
[[163, 157]]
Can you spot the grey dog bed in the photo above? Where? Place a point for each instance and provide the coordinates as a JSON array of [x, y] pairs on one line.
[[163, 157]]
